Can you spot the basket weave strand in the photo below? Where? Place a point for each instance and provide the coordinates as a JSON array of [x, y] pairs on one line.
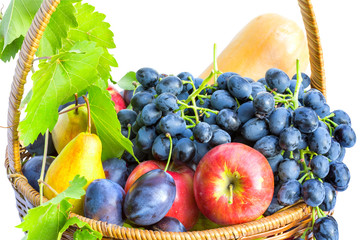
[[282, 225]]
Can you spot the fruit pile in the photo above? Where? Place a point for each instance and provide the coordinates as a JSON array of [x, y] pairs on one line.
[[230, 152]]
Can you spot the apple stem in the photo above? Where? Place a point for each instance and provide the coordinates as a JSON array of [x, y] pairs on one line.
[[89, 114], [231, 186], [170, 152], [76, 103]]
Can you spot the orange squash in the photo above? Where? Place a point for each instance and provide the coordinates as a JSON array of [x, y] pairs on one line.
[[268, 41]]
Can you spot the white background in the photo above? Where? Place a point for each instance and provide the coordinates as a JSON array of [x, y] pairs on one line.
[[178, 36]]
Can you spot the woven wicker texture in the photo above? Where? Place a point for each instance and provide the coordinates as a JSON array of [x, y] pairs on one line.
[[282, 225]]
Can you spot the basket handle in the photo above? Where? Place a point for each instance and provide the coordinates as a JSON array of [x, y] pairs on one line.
[[37, 28]]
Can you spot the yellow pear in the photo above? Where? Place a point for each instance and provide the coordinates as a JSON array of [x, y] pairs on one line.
[[81, 156], [69, 125]]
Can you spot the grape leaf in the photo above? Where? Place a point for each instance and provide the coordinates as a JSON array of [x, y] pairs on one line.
[[107, 125], [14, 25], [85, 232], [45, 221], [126, 82], [55, 83], [60, 22]]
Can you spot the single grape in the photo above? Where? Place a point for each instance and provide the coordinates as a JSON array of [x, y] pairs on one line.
[[185, 76], [219, 137], [275, 161], [288, 169], [326, 228], [289, 192], [201, 150], [140, 100], [141, 156], [257, 87], [262, 81], [319, 141], [254, 129], [330, 198], [211, 119], [223, 78], [345, 135], [341, 117], [183, 96], [184, 150], [173, 124], [150, 114], [228, 120], [161, 148], [313, 192], [250, 80], [277, 80], [334, 151], [338, 176], [305, 79], [222, 99], [305, 119], [264, 104], [147, 77], [323, 111], [341, 156], [202, 132], [273, 207], [303, 142], [239, 87], [314, 99], [166, 102], [171, 84], [289, 138], [203, 103], [126, 116], [145, 138], [268, 146], [246, 111], [320, 166], [279, 119]]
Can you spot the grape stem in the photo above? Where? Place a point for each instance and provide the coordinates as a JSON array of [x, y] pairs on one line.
[[295, 99], [129, 130], [42, 173], [170, 152], [198, 108]]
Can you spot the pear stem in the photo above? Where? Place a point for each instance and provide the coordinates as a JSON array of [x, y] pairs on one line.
[[89, 114], [231, 186], [76, 103], [41, 180]]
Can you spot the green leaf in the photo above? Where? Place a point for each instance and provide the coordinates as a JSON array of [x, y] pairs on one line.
[[26, 99], [126, 82], [85, 232], [44, 222], [60, 22], [107, 125], [14, 25], [55, 83]]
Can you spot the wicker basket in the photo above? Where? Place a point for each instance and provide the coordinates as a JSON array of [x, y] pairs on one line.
[[285, 224]]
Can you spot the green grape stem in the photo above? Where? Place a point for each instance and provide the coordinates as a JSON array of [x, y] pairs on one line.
[[297, 86]]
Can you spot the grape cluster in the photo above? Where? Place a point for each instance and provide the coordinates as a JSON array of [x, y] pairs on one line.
[[284, 119]]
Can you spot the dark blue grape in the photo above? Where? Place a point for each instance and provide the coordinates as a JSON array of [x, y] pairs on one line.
[[301, 89], [323, 125], [185, 76], [254, 129], [201, 150], [279, 119], [277, 80], [305, 119], [150, 114], [140, 155], [239, 87], [183, 96], [222, 99], [203, 103], [223, 78], [273, 207], [314, 99], [262, 81], [288, 169], [37, 147], [305, 79], [161, 148], [169, 84], [330, 198], [275, 161], [326, 228], [289, 138], [168, 224], [303, 142], [140, 100], [341, 156], [257, 87], [345, 135], [264, 104], [228, 120], [246, 111], [150, 197], [338, 176], [319, 141], [126, 116], [323, 111], [32, 169], [166, 102], [104, 200], [184, 150], [116, 170], [268, 146], [145, 138], [320, 166], [127, 96], [334, 151], [313, 192], [341, 117], [210, 119], [147, 77], [219, 137], [173, 124], [148, 90], [289, 192], [202, 132]]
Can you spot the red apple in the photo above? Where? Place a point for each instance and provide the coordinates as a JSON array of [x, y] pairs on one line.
[[233, 184], [116, 98], [184, 207]]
